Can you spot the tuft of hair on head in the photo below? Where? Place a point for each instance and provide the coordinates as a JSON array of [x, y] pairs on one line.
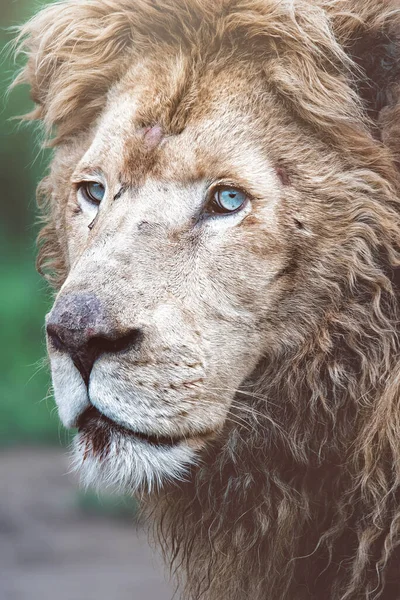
[[77, 50]]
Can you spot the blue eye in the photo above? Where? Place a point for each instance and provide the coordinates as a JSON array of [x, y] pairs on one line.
[[227, 200], [93, 192]]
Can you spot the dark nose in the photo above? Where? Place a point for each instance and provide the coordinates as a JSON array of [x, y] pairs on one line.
[[79, 325]]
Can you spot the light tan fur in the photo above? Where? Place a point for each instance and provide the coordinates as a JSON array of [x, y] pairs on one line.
[[271, 336]]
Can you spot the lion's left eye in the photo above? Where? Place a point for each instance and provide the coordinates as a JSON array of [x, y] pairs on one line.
[[93, 192], [227, 200]]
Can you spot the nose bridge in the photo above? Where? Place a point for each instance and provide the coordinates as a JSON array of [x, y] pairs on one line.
[[136, 220], [134, 236], [164, 204], [134, 258]]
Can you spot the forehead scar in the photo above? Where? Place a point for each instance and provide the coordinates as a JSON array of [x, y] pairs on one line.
[[153, 136]]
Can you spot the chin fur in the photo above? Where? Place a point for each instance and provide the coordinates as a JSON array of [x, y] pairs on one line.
[[128, 465]]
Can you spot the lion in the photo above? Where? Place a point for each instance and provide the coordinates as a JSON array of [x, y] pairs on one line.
[[221, 228]]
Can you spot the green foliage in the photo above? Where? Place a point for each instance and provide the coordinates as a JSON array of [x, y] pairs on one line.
[[26, 410]]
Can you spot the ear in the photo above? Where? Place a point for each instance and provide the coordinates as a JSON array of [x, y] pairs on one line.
[[76, 51]]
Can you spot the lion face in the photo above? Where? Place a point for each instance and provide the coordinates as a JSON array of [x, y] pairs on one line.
[[222, 223], [177, 253]]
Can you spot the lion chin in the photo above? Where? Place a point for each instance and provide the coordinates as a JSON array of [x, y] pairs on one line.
[[107, 457], [108, 452]]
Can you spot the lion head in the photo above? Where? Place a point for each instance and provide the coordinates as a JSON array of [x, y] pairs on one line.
[[222, 229]]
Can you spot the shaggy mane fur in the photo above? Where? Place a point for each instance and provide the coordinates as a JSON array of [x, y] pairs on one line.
[[302, 499]]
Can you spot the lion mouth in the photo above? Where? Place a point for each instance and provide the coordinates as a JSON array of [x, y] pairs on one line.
[[99, 428]]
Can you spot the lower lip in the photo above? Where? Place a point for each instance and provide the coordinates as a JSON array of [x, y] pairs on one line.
[[92, 420]]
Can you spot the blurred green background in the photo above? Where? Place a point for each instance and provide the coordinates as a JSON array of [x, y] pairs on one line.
[[27, 412]]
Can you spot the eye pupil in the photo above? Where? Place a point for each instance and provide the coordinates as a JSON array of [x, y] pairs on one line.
[[228, 200], [93, 191]]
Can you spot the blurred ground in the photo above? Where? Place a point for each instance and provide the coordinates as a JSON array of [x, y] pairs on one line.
[[51, 548]]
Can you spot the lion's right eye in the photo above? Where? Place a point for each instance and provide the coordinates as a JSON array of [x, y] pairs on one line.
[[92, 191]]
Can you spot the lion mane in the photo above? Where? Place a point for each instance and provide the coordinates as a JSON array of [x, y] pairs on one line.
[[301, 498]]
